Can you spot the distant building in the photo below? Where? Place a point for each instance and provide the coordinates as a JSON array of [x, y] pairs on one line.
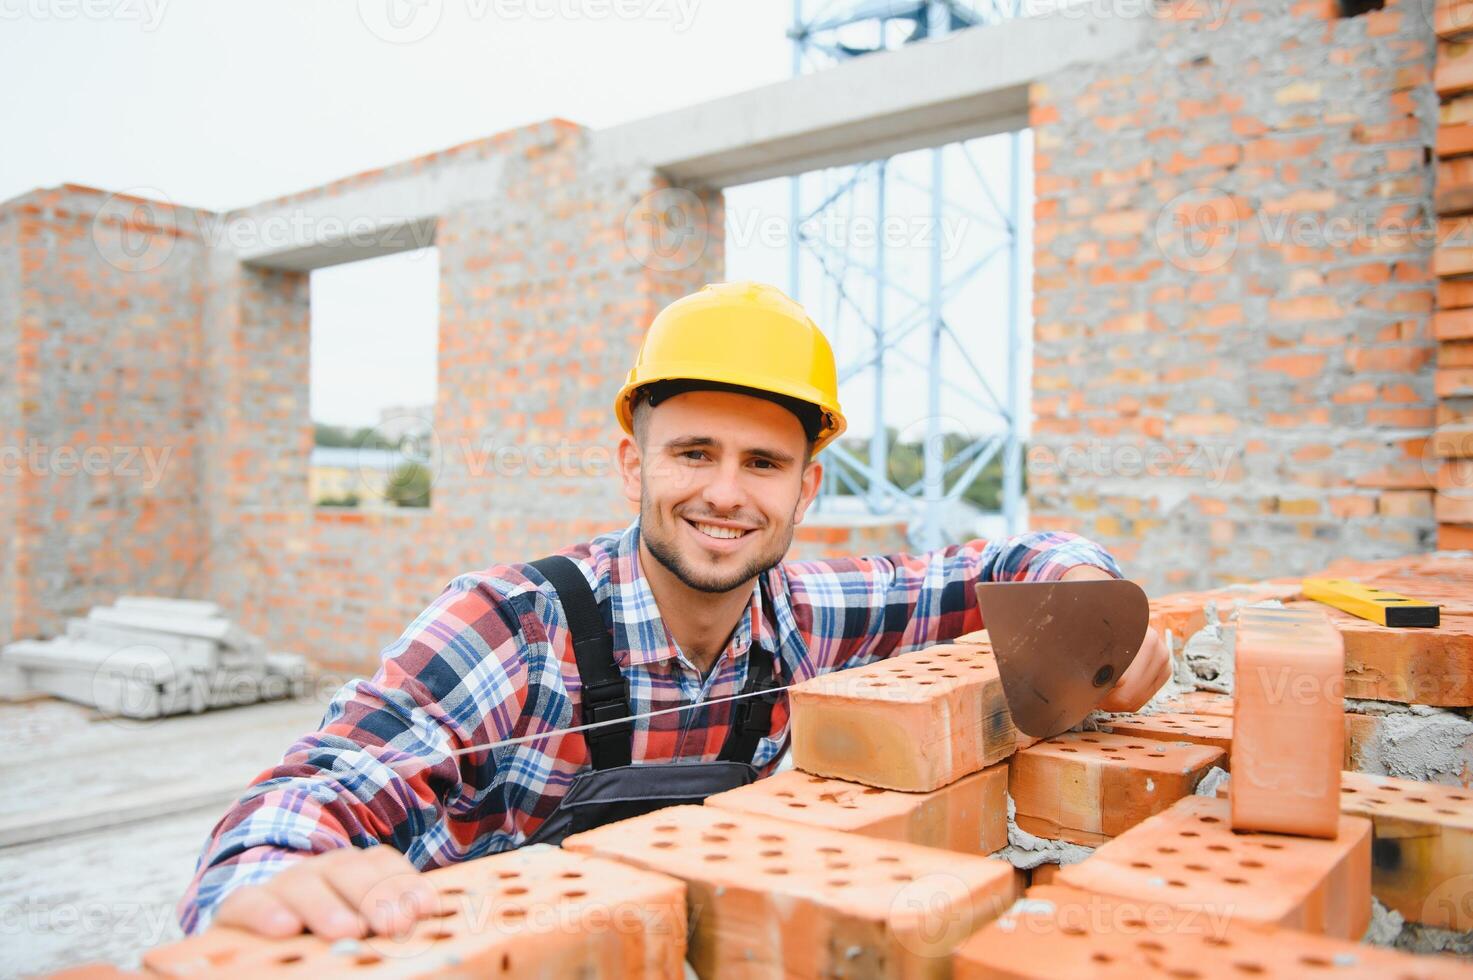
[[397, 421], [336, 474]]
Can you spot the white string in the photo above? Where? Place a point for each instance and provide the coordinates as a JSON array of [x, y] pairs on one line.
[[524, 739]]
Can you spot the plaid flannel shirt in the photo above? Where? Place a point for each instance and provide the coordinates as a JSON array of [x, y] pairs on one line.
[[490, 660]]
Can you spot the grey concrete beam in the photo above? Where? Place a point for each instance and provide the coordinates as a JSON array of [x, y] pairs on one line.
[[969, 84], [384, 217]]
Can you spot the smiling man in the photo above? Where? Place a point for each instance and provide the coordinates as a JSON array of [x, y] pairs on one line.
[[673, 639]]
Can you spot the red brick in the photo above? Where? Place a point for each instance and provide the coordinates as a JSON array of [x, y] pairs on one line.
[[1422, 861], [1087, 787], [1453, 18], [1288, 722], [1201, 703], [914, 722], [1067, 932], [769, 897], [538, 909], [1454, 73], [1453, 382], [1425, 665], [1454, 441], [969, 815], [1190, 856], [1214, 731], [1405, 503]]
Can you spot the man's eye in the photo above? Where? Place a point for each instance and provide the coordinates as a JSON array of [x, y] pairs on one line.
[[765, 464], [694, 454]]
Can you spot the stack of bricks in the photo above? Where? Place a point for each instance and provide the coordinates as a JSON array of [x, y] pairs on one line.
[[1453, 264], [884, 853], [1409, 691]]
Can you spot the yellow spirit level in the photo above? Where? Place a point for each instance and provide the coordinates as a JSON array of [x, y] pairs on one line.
[[1377, 605]]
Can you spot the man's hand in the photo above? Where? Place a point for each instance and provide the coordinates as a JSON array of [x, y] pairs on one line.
[[341, 894], [1143, 678], [1146, 673]]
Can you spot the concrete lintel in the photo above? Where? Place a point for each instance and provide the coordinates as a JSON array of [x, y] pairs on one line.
[[968, 84], [387, 216]]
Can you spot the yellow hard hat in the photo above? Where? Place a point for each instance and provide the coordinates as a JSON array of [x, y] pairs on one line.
[[744, 334]]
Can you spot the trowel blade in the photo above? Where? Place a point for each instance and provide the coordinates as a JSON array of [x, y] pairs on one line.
[[1061, 646]]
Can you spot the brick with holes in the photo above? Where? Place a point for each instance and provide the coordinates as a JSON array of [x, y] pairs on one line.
[[1189, 856], [538, 910], [770, 897], [1422, 846], [969, 815], [1201, 703], [1288, 722], [1087, 787], [915, 722], [1056, 931], [1423, 665], [1211, 730]]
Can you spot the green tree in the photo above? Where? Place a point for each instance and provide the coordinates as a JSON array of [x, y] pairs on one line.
[[339, 437], [907, 465], [409, 485]]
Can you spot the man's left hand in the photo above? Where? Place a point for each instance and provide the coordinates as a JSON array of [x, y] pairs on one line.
[[1146, 673]]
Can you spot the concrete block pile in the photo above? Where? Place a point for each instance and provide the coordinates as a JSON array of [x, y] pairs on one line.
[[1214, 833], [147, 657]]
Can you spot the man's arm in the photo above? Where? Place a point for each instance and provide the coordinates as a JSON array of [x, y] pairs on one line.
[[380, 771], [854, 610]]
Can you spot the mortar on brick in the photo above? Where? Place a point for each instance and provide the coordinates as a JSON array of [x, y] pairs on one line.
[[1216, 777], [1388, 928], [1415, 741], [1026, 852]]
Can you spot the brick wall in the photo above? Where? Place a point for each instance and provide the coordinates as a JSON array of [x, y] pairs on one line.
[[1233, 359], [102, 326], [10, 427], [543, 302]]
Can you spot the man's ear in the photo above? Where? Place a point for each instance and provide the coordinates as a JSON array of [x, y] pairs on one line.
[[812, 480], [631, 469]]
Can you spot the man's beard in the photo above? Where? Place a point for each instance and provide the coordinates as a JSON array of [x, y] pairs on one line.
[[662, 546]]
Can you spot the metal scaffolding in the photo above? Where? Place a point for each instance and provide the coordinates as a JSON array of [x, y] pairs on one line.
[[879, 309]]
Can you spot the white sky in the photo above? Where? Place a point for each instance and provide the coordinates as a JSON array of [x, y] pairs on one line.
[[222, 104]]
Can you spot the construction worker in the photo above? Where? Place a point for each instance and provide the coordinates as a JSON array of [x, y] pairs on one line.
[[669, 636]]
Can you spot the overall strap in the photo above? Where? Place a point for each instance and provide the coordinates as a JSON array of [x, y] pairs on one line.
[[605, 692], [751, 718]]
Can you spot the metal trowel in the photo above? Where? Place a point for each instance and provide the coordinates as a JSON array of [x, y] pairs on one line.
[[1061, 646]]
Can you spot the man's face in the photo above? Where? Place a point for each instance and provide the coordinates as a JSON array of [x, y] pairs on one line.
[[721, 482]]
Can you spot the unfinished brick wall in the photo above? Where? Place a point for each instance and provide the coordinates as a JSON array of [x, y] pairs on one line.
[[1233, 289], [1453, 262], [101, 328], [542, 305], [10, 424]]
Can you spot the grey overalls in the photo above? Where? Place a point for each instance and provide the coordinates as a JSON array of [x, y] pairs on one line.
[[614, 789]]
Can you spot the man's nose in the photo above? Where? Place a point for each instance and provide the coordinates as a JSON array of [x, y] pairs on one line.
[[723, 492]]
